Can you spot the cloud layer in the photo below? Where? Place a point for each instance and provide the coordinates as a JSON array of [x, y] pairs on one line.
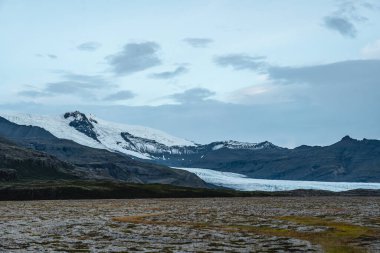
[[342, 25], [120, 95], [194, 95], [345, 73], [347, 17], [241, 61], [71, 84], [89, 46], [198, 42], [135, 57], [170, 74]]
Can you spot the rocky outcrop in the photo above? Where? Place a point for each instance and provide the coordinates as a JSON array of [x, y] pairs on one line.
[[8, 175], [82, 124]]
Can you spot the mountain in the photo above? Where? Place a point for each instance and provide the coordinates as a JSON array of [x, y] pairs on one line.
[[138, 141], [347, 160], [90, 163]]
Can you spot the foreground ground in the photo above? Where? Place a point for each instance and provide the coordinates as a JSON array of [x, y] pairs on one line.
[[268, 224]]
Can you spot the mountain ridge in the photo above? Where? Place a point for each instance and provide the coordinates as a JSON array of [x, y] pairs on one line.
[[348, 160]]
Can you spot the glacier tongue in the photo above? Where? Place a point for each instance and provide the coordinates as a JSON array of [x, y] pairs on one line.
[[242, 183]]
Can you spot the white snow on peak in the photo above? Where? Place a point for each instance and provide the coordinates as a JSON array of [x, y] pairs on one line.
[[241, 145], [144, 132], [243, 183], [56, 125], [109, 134]]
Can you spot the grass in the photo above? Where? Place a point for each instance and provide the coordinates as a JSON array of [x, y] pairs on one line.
[[338, 237]]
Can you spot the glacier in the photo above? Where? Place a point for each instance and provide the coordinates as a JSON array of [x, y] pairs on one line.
[[243, 183], [108, 133]]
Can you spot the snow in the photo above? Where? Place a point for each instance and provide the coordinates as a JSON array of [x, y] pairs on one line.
[[144, 132], [243, 183], [219, 146], [57, 126], [109, 134], [241, 145]]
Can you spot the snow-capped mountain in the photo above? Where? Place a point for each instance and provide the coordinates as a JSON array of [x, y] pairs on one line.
[[348, 160], [138, 141]]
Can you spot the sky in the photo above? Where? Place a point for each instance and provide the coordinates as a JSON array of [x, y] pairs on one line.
[[291, 72]]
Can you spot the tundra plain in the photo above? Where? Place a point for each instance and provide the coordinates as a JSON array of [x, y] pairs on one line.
[[265, 224]]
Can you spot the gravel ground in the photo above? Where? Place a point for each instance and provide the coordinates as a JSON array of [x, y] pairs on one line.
[[267, 224]]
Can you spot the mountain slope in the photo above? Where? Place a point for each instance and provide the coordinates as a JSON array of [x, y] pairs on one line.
[[20, 163], [96, 163]]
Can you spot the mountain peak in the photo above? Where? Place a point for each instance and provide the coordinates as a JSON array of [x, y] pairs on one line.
[[79, 116], [242, 145], [348, 138], [76, 114], [81, 123]]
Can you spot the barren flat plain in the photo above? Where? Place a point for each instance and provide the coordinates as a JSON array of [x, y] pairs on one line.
[[267, 224]]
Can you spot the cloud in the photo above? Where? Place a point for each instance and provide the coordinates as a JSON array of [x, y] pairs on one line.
[[372, 50], [345, 73], [92, 80], [194, 95], [135, 57], [198, 42], [170, 74], [347, 16], [52, 56], [70, 87], [33, 93], [241, 62], [72, 84], [342, 25], [89, 46], [342, 87], [120, 95]]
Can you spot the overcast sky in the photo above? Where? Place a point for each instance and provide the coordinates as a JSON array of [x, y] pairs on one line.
[[288, 71]]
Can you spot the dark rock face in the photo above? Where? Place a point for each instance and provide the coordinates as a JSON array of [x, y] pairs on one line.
[[22, 163], [13, 131], [82, 124], [8, 175], [102, 164]]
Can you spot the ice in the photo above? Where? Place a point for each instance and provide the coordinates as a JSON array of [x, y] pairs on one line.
[[243, 183]]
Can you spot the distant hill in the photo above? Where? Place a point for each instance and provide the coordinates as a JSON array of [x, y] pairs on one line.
[[348, 160]]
